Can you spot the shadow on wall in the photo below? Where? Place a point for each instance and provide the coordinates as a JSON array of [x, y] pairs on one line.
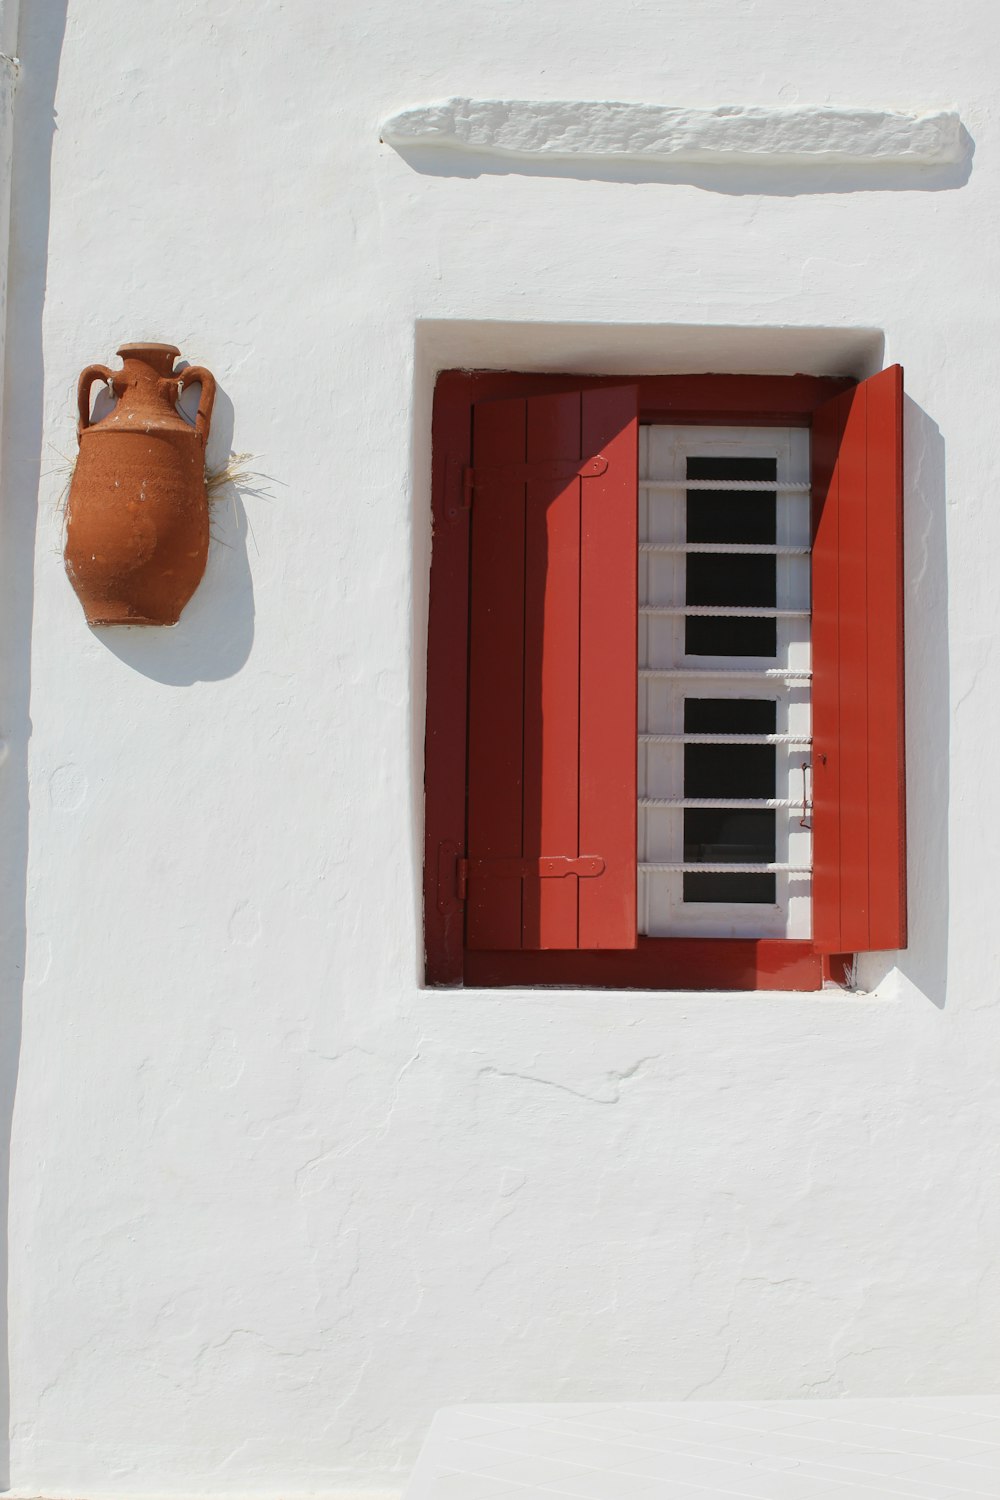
[[928, 700], [928, 718], [35, 123], [746, 179], [214, 636]]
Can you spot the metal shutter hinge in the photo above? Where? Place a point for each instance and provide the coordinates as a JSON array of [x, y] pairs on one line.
[[544, 867], [474, 478]]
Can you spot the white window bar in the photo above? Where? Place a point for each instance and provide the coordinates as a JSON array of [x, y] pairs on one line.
[[725, 739], [726, 802], [744, 611], [752, 674], [750, 549], [682, 867], [769, 486]]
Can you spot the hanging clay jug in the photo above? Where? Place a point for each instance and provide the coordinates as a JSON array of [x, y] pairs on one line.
[[137, 515]]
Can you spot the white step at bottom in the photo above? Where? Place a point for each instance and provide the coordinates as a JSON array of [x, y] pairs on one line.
[[924, 1448]]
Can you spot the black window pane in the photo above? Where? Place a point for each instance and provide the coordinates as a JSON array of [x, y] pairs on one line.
[[748, 889], [731, 516], [721, 836], [722, 516], [731, 466], [730, 715], [728, 578], [725, 835], [729, 771], [730, 635]]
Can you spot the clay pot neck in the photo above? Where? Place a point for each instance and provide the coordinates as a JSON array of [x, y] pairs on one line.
[[147, 362]]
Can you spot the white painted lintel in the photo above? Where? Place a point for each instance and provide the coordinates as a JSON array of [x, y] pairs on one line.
[[580, 128]]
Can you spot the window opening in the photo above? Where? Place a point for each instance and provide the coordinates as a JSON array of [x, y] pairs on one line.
[[477, 647], [724, 726]]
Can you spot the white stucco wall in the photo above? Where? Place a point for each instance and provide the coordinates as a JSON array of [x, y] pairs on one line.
[[271, 1203]]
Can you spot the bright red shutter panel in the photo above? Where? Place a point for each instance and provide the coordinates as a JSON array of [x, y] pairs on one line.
[[552, 671], [859, 827]]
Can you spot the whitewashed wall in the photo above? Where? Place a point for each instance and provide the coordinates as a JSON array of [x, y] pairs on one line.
[[271, 1203]]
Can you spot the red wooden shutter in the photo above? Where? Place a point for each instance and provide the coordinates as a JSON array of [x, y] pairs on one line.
[[859, 828], [551, 851]]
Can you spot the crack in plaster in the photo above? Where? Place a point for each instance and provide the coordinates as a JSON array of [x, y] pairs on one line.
[[383, 1130], [976, 670], [614, 1079], [704, 1385]]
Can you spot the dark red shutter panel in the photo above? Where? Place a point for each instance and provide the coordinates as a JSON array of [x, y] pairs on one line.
[[859, 828], [552, 672]]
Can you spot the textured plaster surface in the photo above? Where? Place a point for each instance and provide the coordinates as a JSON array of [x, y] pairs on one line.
[[586, 127], [271, 1203]]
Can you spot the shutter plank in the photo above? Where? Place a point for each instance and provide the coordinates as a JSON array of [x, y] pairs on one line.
[[496, 677], [825, 649], [852, 465], [552, 717], [552, 672], [608, 668], [886, 770], [859, 899]]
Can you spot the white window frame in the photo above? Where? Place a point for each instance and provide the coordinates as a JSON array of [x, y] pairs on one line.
[[663, 453]]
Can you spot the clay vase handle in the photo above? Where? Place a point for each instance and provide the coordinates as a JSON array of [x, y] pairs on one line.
[[195, 375], [87, 379]]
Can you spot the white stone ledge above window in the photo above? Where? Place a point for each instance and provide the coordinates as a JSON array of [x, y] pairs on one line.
[[533, 129]]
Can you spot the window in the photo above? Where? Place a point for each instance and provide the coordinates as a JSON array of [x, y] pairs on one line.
[[623, 785], [724, 679]]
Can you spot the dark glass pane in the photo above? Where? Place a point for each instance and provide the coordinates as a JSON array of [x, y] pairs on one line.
[[731, 516], [729, 771], [737, 836], [731, 466], [730, 715], [756, 889], [722, 516], [728, 835], [729, 578], [730, 635]]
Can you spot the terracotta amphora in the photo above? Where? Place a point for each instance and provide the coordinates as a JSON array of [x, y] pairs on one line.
[[137, 515]]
